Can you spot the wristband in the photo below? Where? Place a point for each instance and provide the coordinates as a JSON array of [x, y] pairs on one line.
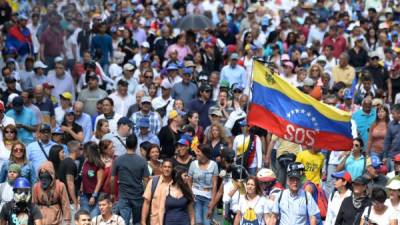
[[95, 194]]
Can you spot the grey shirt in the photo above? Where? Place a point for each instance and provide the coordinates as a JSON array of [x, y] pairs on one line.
[[186, 92], [90, 98], [118, 141], [391, 144]]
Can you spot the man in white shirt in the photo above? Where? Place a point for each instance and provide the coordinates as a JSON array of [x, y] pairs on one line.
[[165, 100], [122, 100]]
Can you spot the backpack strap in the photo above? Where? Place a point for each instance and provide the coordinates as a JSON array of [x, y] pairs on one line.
[[43, 151], [279, 203], [366, 218]]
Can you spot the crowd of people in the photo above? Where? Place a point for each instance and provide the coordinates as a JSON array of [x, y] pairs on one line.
[[112, 112]]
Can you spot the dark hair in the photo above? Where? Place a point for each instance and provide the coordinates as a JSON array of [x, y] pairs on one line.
[[205, 150], [93, 154], [98, 127], [103, 145], [54, 156], [359, 141], [378, 194], [80, 213], [104, 197], [149, 150], [257, 183], [13, 128], [384, 108], [180, 183], [131, 141], [108, 99], [396, 107], [146, 145], [168, 160]]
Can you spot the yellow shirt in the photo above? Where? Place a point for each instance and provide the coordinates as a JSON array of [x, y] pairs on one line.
[[313, 164], [345, 75]]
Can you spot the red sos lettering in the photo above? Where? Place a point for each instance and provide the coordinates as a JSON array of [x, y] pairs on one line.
[[299, 135]]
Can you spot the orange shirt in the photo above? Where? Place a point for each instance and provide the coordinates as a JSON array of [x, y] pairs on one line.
[[155, 203]]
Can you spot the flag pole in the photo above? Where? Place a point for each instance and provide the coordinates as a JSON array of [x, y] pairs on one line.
[[247, 112]]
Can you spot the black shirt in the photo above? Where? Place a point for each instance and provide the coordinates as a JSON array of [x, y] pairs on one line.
[[359, 59], [348, 214], [68, 167], [5, 13], [168, 140], [380, 76], [9, 213]]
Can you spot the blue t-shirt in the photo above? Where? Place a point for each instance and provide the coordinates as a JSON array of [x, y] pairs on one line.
[[27, 118]]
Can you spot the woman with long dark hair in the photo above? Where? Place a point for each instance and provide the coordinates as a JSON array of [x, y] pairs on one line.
[[193, 120], [128, 45], [92, 178], [169, 135], [177, 202], [72, 130], [56, 155], [377, 132]]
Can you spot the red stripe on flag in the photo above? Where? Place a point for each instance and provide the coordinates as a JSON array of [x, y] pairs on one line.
[[261, 117]]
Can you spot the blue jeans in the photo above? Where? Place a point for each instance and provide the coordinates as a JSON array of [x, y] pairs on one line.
[[93, 210], [201, 209], [126, 207]]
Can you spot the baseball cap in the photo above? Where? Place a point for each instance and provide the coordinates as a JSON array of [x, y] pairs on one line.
[[361, 180], [47, 85], [10, 79], [224, 84], [216, 112], [308, 82], [374, 161], [58, 59], [145, 99], [39, 64], [145, 44], [57, 130], [173, 114], [342, 174], [129, 66], [237, 87], [234, 56], [285, 57], [265, 21], [188, 70], [18, 103], [205, 87], [45, 128], [295, 170], [146, 58], [373, 54], [11, 97], [394, 184], [243, 123], [143, 122], [183, 141], [289, 64], [321, 58], [125, 121], [66, 95], [251, 9], [266, 175], [172, 66], [396, 158], [189, 63], [166, 84], [22, 16]]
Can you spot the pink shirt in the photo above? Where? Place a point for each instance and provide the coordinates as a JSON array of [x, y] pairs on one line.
[[182, 51]]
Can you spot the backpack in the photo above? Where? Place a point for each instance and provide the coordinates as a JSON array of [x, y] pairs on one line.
[[154, 183], [319, 197], [250, 216]]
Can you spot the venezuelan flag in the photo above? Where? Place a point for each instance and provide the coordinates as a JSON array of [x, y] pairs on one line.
[[285, 111]]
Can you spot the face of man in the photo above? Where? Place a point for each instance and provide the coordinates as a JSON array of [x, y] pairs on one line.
[[124, 130], [92, 83], [45, 136], [206, 94], [146, 106], [123, 90], [167, 169], [106, 107], [396, 115], [105, 207], [294, 183], [367, 106], [59, 70], [78, 109], [83, 220]]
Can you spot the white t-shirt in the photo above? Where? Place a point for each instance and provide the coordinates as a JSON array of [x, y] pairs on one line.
[[383, 219], [395, 208], [259, 204], [232, 201]]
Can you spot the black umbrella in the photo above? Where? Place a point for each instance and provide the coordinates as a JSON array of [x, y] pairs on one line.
[[194, 22]]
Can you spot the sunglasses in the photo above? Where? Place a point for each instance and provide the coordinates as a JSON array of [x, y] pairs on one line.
[[9, 132], [375, 58], [148, 77], [237, 91], [19, 149], [207, 91]]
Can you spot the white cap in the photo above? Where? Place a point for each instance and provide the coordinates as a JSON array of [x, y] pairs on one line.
[[11, 97], [145, 44], [322, 58], [394, 184], [304, 55], [166, 84], [129, 66], [285, 57], [308, 82], [58, 59], [39, 64]]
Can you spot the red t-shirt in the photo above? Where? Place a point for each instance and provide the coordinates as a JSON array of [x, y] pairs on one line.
[[89, 177]]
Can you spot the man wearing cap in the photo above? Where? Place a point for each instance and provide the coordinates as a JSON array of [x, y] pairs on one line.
[[234, 73], [344, 72], [294, 205], [202, 104], [144, 133], [38, 151], [342, 180], [353, 207], [249, 19], [19, 37], [163, 104], [146, 111], [24, 119], [11, 83], [373, 172], [91, 95], [380, 74], [61, 80], [173, 73], [124, 129], [358, 56], [186, 90], [396, 169], [127, 75], [39, 76], [148, 76], [122, 100]]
